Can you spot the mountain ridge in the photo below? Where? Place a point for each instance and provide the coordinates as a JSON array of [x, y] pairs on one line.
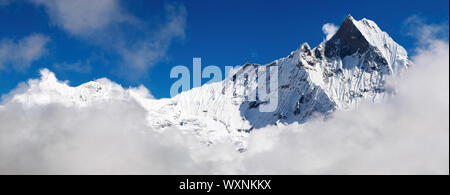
[[335, 75]]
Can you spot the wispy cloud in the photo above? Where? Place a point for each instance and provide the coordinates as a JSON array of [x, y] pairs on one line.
[[423, 32], [329, 30], [107, 24], [20, 54], [153, 47], [83, 17]]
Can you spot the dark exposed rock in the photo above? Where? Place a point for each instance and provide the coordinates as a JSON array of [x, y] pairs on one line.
[[347, 41], [305, 49]]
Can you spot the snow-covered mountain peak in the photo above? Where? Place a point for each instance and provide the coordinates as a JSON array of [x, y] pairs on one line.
[[366, 38], [335, 75]]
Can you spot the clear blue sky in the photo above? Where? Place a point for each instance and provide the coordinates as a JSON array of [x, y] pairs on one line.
[[230, 32]]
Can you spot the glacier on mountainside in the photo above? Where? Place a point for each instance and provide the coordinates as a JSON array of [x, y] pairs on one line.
[[335, 75]]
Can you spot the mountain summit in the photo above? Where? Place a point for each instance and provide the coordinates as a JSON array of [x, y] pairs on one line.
[[335, 75], [366, 38], [347, 40]]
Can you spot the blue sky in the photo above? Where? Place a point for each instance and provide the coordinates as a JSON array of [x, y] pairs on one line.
[[138, 42]]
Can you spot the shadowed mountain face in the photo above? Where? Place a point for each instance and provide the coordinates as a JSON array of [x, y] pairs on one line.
[[335, 75], [347, 41]]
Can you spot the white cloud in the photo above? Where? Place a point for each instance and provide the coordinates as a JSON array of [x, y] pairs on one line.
[[105, 138], [22, 53], [106, 23], [83, 17], [423, 32], [329, 30]]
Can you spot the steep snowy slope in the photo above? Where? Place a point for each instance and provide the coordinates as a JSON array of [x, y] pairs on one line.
[[336, 74]]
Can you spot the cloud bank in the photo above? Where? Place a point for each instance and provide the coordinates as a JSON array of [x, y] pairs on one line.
[[20, 54]]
